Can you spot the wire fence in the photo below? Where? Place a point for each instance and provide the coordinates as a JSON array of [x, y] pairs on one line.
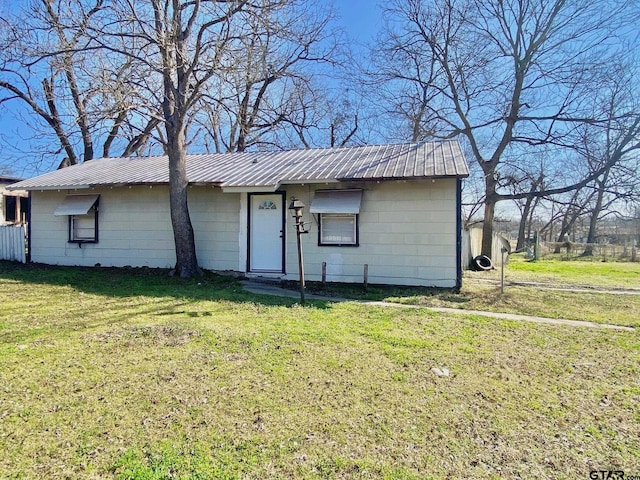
[[573, 250]]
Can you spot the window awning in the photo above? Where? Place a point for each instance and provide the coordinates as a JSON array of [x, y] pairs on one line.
[[76, 205], [336, 201]]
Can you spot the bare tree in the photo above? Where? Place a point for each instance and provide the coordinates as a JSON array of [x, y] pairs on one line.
[[127, 73], [527, 208], [250, 106], [569, 211], [325, 119], [184, 44], [506, 75], [619, 137], [191, 48], [79, 97]]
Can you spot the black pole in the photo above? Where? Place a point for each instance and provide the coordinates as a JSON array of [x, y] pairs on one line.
[[299, 227]]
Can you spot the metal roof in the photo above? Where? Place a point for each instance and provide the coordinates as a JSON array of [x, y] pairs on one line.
[[268, 170]]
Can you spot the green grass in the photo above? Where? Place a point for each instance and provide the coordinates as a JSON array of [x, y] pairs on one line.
[[574, 272], [128, 375], [529, 291], [604, 308]]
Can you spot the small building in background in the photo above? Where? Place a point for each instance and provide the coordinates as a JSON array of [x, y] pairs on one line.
[[14, 205]]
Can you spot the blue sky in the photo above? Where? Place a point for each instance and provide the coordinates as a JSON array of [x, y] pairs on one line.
[[361, 18]]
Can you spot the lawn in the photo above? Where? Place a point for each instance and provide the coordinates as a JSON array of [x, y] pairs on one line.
[[529, 290], [132, 375], [587, 306], [570, 272]]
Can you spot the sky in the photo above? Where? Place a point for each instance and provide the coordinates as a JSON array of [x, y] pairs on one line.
[[361, 20]]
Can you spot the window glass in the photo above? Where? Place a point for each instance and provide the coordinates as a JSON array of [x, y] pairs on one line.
[[10, 209], [82, 228], [338, 229], [267, 205]]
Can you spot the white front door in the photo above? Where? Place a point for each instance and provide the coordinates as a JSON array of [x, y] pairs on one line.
[[266, 232]]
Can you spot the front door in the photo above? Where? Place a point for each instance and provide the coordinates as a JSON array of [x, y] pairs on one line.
[[266, 232]]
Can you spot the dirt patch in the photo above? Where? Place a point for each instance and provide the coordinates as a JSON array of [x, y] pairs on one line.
[[170, 335]]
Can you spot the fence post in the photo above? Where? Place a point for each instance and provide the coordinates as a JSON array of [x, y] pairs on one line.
[[366, 275], [324, 274]]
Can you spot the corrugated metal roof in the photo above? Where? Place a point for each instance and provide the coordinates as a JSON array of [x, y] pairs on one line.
[[268, 169]]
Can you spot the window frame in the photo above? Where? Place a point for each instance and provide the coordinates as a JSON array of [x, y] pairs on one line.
[[94, 239], [356, 217], [9, 204]]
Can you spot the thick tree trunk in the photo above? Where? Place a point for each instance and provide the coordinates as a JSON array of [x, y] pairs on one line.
[[186, 260], [595, 214], [564, 229], [489, 212], [593, 223], [523, 223]]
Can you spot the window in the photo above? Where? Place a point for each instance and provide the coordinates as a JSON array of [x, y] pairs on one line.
[[16, 209], [267, 205], [84, 228], [10, 209], [338, 229], [82, 211], [338, 215]]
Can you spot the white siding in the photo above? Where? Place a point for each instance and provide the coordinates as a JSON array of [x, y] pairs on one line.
[[135, 229], [407, 232], [407, 236], [216, 222]]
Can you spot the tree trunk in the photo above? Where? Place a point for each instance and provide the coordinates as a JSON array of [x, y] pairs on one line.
[[489, 212], [186, 260], [591, 236], [595, 214], [593, 223], [568, 220], [523, 223]]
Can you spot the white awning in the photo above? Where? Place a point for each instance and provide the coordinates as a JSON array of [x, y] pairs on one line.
[[336, 201], [76, 205]]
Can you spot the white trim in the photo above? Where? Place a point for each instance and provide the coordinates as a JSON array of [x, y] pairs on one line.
[[52, 187], [309, 182], [240, 189], [243, 232]]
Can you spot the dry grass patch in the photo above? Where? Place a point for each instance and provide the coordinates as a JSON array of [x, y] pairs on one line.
[[532, 292], [589, 306]]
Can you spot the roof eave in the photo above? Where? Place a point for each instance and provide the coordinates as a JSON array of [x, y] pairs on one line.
[[400, 179], [249, 188], [309, 181], [43, 188]]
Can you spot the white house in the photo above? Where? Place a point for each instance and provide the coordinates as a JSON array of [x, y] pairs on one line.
[[395, 208]]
